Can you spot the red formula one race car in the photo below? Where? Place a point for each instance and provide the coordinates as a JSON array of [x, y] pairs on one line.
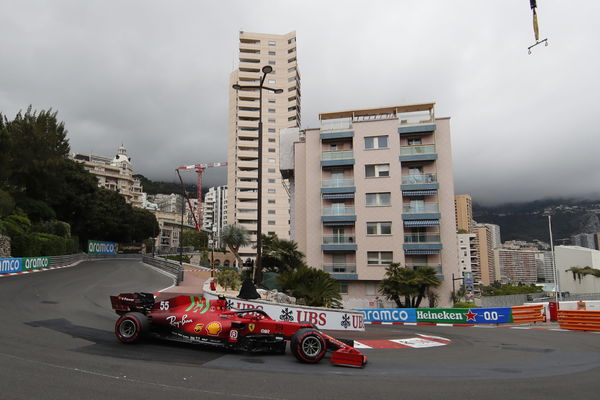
[[193, 319]]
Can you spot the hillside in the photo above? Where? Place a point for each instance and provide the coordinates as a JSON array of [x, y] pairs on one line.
[[528, 221], [152, 187]]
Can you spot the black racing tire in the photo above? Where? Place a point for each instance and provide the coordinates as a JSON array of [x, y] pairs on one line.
[[308, 345], [131, 327]]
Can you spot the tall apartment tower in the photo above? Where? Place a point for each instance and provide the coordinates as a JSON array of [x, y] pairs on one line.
[[372, 187], [279, 111], [214, 213], [464, 213], [488, 271]]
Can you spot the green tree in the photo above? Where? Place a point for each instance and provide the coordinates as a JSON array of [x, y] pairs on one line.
[[315, 287], [409, 284], [280, 255], [199, 240], [234, 237], [580, 272], [144, 225]]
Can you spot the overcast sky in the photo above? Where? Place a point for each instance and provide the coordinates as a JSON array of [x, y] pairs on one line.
[[153, 75]]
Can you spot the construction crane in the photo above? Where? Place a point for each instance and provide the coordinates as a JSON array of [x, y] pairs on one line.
[[199, 168]]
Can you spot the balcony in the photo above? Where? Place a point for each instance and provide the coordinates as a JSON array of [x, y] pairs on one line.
[[418, 153], [247, 195], [338, 243], [338, 186], [413, 123], [337, 158], [337, 214], [421, 211], [341, 271], [336, 128], [436, 267], [422, 241], [419, 182]]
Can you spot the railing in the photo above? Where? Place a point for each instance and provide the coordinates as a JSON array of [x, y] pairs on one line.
[[436, 267], [338, 239], [332, 211], [337, 155], [414, 150], [336, 124], [420, 209], [415, 117], [172, 267], [339, 268], [422, 178], [422, 238], [335, 183]]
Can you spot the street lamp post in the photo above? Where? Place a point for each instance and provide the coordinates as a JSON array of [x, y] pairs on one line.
[[453, 289], [265, 70]]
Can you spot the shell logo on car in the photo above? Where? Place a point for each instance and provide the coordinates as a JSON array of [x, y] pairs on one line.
[[214, 328], [198, 328]]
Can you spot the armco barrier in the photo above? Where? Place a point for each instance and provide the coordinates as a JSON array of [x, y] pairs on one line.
[[524, 314], [169, 266], [579, 320]]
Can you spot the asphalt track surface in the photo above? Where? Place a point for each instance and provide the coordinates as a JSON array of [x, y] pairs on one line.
[[57, 342]]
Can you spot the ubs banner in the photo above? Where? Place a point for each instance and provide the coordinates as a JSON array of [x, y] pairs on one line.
[[440, 315], [12, 265], [98, 247]]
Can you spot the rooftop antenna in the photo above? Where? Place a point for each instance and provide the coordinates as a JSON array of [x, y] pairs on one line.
[[536, 29]]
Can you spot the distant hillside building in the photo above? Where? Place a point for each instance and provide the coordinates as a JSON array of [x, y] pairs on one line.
[[115, 174], [588, 240], [518, 265], [485, 246], [495, 235], [468, 257]]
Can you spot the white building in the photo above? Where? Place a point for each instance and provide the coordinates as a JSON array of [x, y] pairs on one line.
[[575, 256], [214, 213]]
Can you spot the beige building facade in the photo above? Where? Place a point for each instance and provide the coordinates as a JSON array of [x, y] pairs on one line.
[[279, 111], [371, 187], [115, 174], [464, 213], [488, 272]]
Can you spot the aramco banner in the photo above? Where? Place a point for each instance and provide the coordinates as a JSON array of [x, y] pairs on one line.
[[98, 247], [440, 315], [12, 265]]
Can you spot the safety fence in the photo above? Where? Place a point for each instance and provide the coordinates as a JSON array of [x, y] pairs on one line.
[[19, 265], [454, 316], [579, 320]]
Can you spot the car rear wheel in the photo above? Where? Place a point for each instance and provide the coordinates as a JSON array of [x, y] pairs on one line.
[[308, 345], [131, 327]]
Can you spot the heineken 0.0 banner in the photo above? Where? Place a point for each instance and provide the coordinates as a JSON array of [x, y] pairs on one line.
[[465, 316], [98, 247]]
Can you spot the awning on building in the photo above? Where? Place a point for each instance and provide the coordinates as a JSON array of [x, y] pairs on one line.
[[338, 195], [421, 222], [421, 252], [338, 223], [419, 192]]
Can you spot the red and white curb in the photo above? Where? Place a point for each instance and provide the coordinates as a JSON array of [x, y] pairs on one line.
[[423, 341], [38, 270], [414, 323]]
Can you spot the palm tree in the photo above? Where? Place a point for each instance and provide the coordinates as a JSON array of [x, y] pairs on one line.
[[234, 237], [280, 255], [426, 280], [410, 284], [317, 288]]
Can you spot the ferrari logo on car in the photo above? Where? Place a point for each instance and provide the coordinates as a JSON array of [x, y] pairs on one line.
[[251, 327], [198, 328]]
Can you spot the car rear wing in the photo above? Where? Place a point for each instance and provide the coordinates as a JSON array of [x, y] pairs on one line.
[[127, 302]]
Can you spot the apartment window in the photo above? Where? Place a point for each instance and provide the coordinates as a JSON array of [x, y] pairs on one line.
[[377, 170], [343, 287], [271, 150], [271, 201], [272, 191], [271, 43], [271, 211], [271, 222], [271, 130], [414, 141], [271, 170], [271, 180], [379, 228], [271, 62], [271, 100], [292, 69], [379, 257], [292, 79], [271, 53], [271, 233], [376, 142], [271, 120], [271, 140], [271, 160], [271, 81], [370, 289], [378, 199]]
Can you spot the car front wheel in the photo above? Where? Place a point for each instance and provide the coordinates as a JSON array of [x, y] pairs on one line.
[[308, 345]]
